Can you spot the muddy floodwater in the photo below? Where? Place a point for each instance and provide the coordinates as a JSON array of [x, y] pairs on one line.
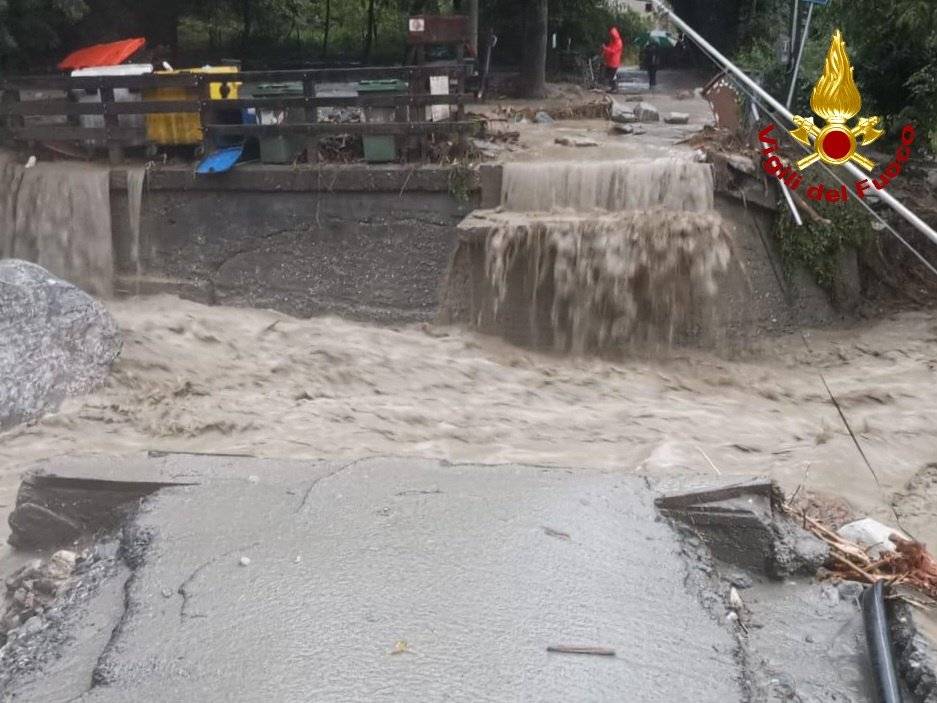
[[214, 379]]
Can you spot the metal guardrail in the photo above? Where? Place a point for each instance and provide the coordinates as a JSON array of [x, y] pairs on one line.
[[16, 113], [781, 110]]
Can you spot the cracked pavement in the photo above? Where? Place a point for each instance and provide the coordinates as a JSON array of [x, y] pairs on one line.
[[403, 579]]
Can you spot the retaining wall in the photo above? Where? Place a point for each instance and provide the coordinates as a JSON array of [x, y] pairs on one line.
[[367, 242]]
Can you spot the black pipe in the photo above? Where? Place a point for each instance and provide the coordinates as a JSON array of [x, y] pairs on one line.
[[879, 643]]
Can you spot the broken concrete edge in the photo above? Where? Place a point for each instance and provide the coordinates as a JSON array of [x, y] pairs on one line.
[[55, 511], [703, 576], [752, 534], [696, 514], [305, 178], [916, 654]]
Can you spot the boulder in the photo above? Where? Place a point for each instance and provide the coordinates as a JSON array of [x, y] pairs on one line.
[[622, 114], [677, 118], [627, 129], [543, 118], [576, 141], [55, 341], [645, 112], [742, 163]]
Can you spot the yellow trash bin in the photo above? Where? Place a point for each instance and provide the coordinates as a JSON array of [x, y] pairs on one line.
[[175, 128]]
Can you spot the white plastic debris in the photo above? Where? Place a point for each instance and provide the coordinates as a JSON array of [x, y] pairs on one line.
[[244, 561], [870, 534], [735, 600]]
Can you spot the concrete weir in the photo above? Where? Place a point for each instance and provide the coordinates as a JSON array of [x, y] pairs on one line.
[[581, 256], [396, 579]]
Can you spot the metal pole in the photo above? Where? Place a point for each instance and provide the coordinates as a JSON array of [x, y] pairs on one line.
[[787, 194], [800, 55], [885, 196]]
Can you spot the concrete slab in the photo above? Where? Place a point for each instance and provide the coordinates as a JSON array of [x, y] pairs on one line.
[[478, 569], [391, 579]]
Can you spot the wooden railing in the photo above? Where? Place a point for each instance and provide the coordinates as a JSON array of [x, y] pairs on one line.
[[27, 120]]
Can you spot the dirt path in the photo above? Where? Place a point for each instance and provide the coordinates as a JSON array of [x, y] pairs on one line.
[[215, 379]]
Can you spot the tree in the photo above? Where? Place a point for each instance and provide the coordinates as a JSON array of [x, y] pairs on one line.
[[32, 31], [161, 20], [369, 33], [247, 23], [327, 26], [534, 62]]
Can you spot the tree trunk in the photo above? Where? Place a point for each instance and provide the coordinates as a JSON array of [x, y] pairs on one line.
[[473, 26], [534, 65], [162, 27], [328, 26], [247, 23], [369, 36]]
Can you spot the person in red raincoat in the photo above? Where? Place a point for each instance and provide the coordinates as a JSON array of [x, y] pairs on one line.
[[611, 56]]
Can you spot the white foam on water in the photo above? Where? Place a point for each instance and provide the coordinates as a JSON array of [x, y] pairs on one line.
[[136, 177], [577, 186]]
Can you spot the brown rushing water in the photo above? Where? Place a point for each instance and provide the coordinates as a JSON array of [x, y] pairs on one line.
[[215, 379], [58, 215]]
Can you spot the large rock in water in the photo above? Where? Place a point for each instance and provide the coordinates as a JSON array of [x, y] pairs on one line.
[[55, 341]]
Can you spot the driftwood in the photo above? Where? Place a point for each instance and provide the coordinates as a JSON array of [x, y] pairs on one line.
[[911, 565]]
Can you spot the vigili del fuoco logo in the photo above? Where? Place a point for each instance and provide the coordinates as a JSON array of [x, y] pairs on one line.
[[837, 101]]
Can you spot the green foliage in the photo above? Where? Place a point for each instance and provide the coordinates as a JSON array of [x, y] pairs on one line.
[[579, 25], [461, 181], [819, 246], [31, 28], [894, 51]]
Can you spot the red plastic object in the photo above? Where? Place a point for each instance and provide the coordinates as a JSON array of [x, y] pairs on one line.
[[111, 54]]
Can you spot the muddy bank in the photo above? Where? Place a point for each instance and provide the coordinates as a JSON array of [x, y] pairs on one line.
[[215, 379]]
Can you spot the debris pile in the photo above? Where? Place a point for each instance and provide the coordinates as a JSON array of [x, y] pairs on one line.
[[33, 588], [910, 564]]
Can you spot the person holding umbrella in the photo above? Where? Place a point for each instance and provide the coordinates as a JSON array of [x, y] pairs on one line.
[[651, 62], [611, 57], [653, 43]]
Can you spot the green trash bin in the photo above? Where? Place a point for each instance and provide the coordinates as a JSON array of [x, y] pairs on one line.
[[380, 148], [280, 148]]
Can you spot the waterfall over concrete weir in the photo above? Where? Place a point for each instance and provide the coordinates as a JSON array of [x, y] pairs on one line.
[[594, 256], [58, 215], [582, 187]]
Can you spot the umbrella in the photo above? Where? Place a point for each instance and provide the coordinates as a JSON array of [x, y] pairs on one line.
[[656, 36]]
